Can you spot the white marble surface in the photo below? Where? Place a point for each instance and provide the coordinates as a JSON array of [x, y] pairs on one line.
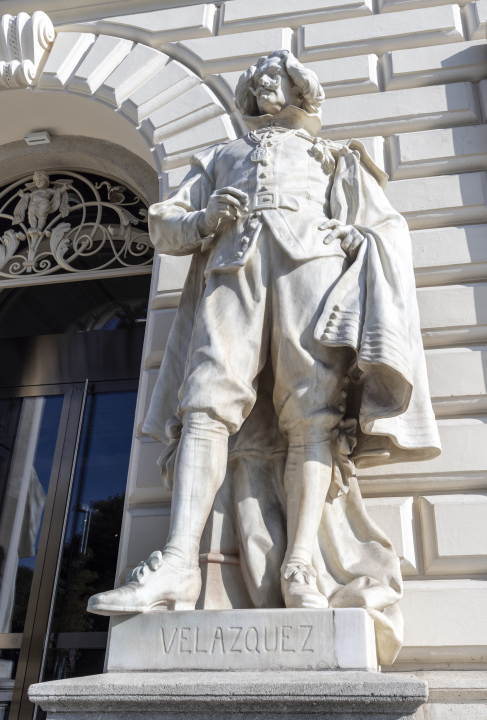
[[272, 336], [341, 639]]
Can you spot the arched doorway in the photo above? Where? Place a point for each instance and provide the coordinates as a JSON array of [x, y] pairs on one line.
[[119, 92], [72, 320]]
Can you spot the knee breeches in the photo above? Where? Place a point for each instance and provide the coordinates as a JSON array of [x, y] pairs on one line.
[[269, 306]]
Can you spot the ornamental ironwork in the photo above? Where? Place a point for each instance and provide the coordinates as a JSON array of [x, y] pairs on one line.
[[68, 222]]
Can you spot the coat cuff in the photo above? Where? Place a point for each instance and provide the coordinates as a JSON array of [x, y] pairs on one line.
[[191, 232], [190, 228]]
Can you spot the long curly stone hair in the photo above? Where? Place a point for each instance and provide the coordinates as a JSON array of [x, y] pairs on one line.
[[305, 80]]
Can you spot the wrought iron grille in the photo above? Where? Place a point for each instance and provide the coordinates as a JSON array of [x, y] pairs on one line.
[[69, 222]]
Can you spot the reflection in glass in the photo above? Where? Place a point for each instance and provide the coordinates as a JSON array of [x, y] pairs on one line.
[[104, 304], [8, 668], [89, 553], [25, 489], [28, 434]]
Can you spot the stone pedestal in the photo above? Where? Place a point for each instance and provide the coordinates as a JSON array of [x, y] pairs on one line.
[[234, 665], [243, 640], [190, 695]]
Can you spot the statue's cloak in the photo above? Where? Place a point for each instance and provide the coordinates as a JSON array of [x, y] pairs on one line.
[[389, 418]]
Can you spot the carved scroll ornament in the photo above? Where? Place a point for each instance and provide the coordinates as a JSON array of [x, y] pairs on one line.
[[103, 233], [24, 43]]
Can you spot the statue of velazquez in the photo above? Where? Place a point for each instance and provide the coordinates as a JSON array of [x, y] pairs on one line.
[[295, 356]]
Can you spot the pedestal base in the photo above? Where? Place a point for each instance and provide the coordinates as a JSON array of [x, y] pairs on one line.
[[280, 695], [236, 665], [286, 639]]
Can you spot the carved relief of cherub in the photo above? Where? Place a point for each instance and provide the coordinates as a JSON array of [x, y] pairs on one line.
[[40, 201]]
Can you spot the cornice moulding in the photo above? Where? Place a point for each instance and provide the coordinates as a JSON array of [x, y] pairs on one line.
[[81, 10]]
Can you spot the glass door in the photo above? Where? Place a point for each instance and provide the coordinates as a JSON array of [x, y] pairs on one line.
[[38, 428], [77, 639], [71, 356], [70, 511], [30, 427]]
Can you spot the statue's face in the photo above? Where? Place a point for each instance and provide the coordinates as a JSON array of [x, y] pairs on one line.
[[41, 180], [274, 89]]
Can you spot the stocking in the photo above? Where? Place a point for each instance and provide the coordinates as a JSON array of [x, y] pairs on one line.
[[201, 465]]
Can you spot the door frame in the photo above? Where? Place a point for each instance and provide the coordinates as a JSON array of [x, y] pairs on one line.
[[99, 371], [46, 565]]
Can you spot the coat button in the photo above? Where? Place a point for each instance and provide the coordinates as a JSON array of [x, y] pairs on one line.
[[346, 379], [344, 393], [239, 254], [263, 175], [341, 408], [265, 162], [329, 323], [333, 315]]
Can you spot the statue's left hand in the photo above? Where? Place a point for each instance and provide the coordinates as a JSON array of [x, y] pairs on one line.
[[351, 238]]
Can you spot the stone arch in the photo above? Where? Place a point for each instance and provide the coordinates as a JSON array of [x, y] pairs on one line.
[[165, 101], [84, 154], [176, 112]]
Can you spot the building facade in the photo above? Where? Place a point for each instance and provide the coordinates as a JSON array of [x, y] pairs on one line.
[[112, 99]]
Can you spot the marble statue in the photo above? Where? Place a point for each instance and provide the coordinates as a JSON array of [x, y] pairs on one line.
[[294, 358]]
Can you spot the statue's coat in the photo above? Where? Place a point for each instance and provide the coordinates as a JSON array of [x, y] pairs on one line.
[[373, 310]]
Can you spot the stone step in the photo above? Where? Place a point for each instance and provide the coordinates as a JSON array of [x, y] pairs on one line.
[[199, 695]]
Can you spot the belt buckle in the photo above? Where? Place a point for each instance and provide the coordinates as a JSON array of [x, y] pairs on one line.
[[265, 200]]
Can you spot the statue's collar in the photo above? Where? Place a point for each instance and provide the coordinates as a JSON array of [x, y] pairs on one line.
[[289, 117]]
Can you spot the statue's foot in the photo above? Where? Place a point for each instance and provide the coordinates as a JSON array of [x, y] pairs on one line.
[[298, 584], [152, 584]]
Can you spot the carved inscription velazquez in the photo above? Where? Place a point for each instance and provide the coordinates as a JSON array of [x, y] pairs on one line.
[[279, 639]]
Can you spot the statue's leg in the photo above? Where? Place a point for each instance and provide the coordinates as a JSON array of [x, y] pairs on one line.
[[229, 347], [201, 465], [308, 398], [306, 480], [33, 220], [172, 579]]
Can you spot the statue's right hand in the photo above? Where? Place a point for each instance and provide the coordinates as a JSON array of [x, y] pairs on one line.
[[224, 205]]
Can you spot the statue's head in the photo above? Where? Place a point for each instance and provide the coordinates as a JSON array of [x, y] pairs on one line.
[[41, 179], [276, 81]]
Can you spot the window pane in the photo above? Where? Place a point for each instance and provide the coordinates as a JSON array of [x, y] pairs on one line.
[[28, 457], [89, 554], [28, 435]]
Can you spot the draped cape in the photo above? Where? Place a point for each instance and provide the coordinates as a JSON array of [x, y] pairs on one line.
[[373, 310]]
